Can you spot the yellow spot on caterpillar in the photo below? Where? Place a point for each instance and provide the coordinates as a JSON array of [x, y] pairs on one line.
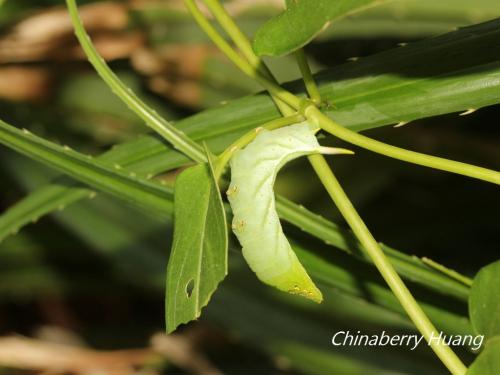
[[239, 226], [232, 190], [296, 290]]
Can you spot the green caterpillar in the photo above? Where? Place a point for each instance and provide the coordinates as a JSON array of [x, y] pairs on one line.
[[255, 221]]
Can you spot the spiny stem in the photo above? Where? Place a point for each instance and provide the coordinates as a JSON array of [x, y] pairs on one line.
[[311, 87], [241, 142], [360, 140], [173, 135], [412, 308]]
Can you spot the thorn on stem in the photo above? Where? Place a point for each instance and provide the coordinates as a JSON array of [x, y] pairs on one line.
[[401, 123], [468, 112]]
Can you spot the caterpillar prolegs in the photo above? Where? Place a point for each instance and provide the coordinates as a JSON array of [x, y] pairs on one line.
[[255, 220]]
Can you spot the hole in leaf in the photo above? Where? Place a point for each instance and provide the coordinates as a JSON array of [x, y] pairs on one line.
[[189, 288]]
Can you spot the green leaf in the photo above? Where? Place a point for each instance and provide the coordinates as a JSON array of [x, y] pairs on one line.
[[63, 191], [198, 261], [300, 22], [138, 191], [42, 202], [412, 19], [488, 362], [484, 301]]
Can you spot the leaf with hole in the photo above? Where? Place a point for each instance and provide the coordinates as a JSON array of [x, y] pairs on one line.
[[198, 261], [484, 301], [300, 22]]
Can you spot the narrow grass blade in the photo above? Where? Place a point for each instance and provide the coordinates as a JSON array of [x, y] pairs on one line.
[[119, 183]]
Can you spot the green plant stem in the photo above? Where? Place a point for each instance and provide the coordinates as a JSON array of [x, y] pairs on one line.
[[244, 45], [447, 271], [370, 245], [241, 142], [173, 135], [218, 40], [414, 311], [252, 71], [234, 32], [324, 122], [311, 87]]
